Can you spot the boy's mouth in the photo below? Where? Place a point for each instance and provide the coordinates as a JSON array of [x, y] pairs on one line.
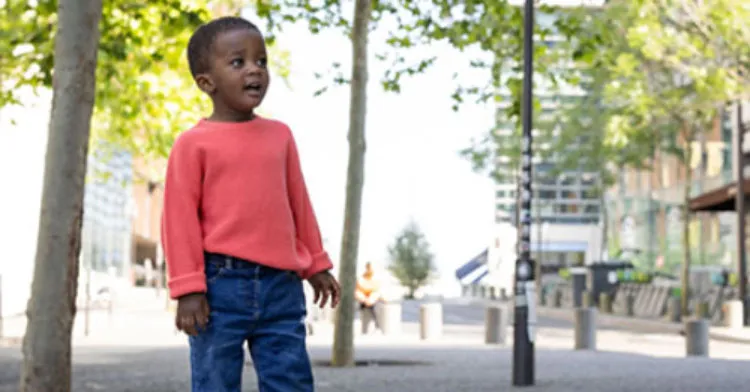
[[254, 87]]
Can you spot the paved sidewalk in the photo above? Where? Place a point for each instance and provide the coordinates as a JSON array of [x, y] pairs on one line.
[[735, 335], [138, 350], [442, 369]]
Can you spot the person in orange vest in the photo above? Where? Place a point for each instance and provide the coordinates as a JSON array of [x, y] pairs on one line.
[[368, 297]]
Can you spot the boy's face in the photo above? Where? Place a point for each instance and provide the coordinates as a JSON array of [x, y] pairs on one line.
[[237, 79]]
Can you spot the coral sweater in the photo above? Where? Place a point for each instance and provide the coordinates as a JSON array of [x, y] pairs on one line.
[[237, 189]]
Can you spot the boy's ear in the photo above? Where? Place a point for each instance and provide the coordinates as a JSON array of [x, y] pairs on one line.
[[205, 83]]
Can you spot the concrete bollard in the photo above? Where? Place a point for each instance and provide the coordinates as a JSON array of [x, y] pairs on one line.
[[630, 305], [390, 318], [496, 322], [430, 321], [674, 308], [696, 337], [733, 314], [605, 304], [585, 328], [493, 293]]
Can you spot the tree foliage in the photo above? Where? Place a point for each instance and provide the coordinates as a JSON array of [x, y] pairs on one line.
[[411, 262], [145, 94], [667, 83]]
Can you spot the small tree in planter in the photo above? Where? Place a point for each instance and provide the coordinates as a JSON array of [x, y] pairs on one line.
[[411, 261]]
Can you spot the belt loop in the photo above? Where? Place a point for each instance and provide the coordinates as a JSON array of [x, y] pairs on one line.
[[228, 262]]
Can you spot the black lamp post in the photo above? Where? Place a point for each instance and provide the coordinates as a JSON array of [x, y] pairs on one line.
[[525, 290]]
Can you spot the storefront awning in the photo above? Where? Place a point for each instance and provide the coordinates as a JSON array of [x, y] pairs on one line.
[[721, 199]]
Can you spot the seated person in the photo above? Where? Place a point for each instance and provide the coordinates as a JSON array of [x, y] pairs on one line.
[[368, 296]]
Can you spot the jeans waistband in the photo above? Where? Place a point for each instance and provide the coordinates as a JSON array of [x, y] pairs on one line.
[[229, 262]]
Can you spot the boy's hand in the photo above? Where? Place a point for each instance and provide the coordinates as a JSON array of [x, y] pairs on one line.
[[325, 286], [192, 313]]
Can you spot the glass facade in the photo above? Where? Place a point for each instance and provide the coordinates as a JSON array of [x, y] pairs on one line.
[[562, 198], [106, 219], [649, 231]]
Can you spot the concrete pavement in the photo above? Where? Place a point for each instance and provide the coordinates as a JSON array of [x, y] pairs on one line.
[[138, 350], [470, 368]]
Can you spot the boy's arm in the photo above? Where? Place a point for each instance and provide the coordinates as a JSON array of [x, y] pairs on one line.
[[181, 230], [308, 232]]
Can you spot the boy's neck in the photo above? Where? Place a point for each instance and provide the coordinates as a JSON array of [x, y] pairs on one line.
[[231, 116]]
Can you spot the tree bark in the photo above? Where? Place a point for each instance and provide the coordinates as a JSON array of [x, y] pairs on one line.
[[51, 308], [343, 339]]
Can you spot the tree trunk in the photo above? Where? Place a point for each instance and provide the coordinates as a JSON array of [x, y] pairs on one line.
[[685, 294], [51, 308], [343, 336], [604, 247]]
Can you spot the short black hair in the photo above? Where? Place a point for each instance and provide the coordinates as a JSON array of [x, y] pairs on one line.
[[199, 46]]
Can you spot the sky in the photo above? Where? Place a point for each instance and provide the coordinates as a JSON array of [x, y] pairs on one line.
[[413, 167]]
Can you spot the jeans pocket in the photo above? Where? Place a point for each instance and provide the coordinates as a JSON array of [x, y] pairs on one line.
[[214, 272]]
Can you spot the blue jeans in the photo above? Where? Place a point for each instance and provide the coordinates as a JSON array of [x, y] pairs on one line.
[[262, 306]]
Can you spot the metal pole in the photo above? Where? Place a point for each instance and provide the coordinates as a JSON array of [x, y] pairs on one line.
[[538, 269], [740, 204], [525, 298]]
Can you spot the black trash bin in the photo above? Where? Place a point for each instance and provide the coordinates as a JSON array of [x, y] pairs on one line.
[[602, 277]]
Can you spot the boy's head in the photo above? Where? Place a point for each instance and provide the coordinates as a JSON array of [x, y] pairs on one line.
[[228, 60]]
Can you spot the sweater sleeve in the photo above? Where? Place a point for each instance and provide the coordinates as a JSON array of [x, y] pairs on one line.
[[309, 242], [182, 237]]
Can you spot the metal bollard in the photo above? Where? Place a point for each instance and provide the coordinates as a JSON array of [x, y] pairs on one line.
[[496, 322], [630, 305], [430, 321], [696, 337], [675, 309], [585, 328]]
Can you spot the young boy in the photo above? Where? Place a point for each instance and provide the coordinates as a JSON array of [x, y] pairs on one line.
[[239, 232]]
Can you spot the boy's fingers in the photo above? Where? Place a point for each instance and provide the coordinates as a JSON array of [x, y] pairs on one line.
[[317, 290], [202, 321], [188, 325], [336, 295], [324, 298], [206, 314]]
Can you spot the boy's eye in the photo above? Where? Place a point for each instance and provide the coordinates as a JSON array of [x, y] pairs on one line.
[[262, 62], [237, 63]]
